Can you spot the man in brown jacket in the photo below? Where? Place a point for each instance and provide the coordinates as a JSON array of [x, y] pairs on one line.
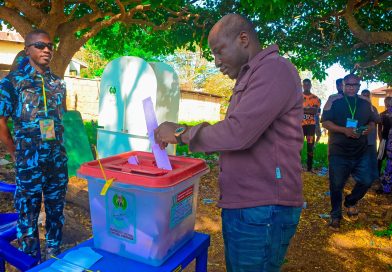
[[259, 143]]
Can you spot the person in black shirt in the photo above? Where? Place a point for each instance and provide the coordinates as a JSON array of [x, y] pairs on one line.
[[383, 131], [339, 85], [385, 149], [372, 140], [348, 119]]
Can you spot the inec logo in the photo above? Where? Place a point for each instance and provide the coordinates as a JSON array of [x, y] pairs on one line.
[[120, 202], [112, 90]]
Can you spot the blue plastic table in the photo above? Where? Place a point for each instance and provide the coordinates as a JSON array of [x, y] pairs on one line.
[[197, 248]]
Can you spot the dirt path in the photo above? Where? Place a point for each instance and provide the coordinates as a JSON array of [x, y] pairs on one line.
[[314, 247]]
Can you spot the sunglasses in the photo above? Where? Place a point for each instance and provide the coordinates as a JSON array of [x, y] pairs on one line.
[[352, 84], [42, 45]]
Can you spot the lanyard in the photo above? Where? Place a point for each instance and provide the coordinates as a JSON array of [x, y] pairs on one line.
[[44, 95], [349, 106]]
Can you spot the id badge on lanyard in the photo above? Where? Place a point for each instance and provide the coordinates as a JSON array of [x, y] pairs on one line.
[[47, 129], [46, 126], [351, 123]]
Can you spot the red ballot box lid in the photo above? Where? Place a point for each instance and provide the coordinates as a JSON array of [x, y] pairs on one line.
[[146, 173]]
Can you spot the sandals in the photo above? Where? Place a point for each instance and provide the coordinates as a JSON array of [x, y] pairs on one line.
[[352, 211], [334, 224]]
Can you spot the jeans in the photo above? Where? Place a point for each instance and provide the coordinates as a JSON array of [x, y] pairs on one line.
[[372, 153], [340, 169], [256, 239]]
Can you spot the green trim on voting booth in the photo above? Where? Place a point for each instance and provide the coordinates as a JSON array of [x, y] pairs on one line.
[[75, 141]]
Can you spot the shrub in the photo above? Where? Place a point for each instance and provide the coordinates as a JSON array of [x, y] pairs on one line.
[[91, 130], [320, 155], [384, 233]]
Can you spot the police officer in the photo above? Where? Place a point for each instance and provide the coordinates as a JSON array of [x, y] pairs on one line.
[[34, 98]]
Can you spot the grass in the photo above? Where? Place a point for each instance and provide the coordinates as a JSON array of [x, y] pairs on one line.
[[320, 155], [384, 233]]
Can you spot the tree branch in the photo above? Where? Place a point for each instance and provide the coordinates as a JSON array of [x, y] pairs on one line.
[[57, 7], [82, 23], [55, 17], [34, 14], [21, 24], [121, 6], [88, 21], [360, 33], [376, 61], [72, 13]]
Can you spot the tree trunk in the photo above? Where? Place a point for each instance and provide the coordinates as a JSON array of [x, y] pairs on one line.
[[60, 61]]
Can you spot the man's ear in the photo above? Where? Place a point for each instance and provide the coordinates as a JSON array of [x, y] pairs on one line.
[[26, 51], [244, 39]]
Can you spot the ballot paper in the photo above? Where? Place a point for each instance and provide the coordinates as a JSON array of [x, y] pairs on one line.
[[75, 261], [161, 157]]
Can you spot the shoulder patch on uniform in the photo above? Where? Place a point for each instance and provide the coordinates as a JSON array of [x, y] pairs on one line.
[[331, 99]]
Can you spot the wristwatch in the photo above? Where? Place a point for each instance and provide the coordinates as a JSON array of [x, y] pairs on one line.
[[178, 132]]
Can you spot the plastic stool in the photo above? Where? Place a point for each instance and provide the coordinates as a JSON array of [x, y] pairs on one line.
[[8, 226], [7, 188], [8, 253], [7, 232], [15, 257]]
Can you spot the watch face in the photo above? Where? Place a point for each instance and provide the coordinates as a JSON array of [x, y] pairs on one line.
[[179, 131]]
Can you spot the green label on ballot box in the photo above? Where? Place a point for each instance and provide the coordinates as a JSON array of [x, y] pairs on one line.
[[121, 215]]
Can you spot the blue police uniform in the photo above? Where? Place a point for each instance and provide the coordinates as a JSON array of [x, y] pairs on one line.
[[41, 165]]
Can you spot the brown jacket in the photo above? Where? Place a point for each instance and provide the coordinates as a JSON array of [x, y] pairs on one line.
[[261, 137]]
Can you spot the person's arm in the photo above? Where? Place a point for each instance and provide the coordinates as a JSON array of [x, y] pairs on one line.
[[373, 119], [265, 98], [370, 127], [65, 102], [379, 128], [349, 132], [164, 134], [5, 136], [376, 117]]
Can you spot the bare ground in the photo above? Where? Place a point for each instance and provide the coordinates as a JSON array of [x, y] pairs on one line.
[[313, 248]]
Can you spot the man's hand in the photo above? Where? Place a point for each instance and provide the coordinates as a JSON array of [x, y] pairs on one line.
[[350, 132], [365, 131], [164, 134], [5, 137]]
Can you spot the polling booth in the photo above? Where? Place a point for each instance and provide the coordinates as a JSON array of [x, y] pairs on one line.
[[125, 83]]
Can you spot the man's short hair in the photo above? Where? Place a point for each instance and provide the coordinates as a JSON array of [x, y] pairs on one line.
[[235, 23], [33, 33], [339, 81], [307, 80], [351, 76], [365, 92]]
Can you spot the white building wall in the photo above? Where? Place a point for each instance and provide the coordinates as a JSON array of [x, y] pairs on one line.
[[194, 110]]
